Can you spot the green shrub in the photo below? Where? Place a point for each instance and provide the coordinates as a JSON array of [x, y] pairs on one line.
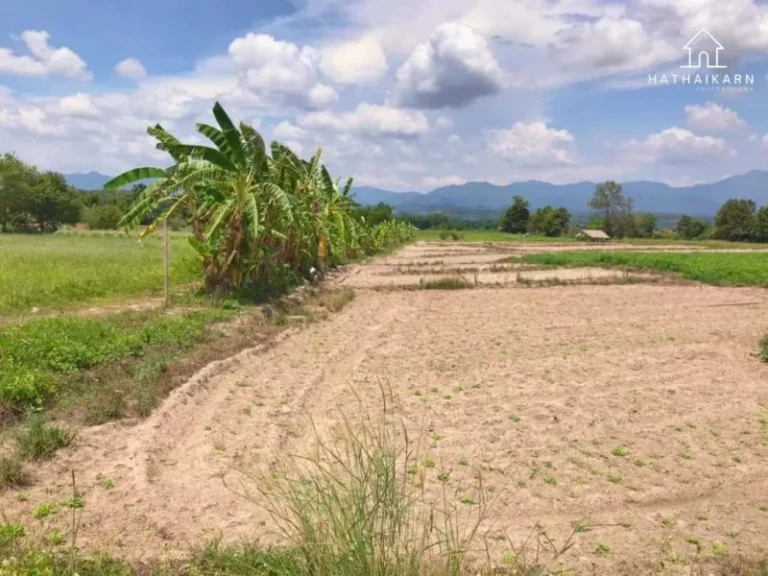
[[456, 283], [103, 217], [38, 441]]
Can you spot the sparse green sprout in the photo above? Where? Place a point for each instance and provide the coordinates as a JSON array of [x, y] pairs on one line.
[[428, 463], [580, 526], [719, 549], [614, 479], [702, 516], [75, 502], [602, 549], [667, 522], [597, 442], [514, 418], [412, 469], [56, 538], [435, 390], [417, 393], [242, 384], [458, 389], [550, 480], [731, 534], [467, 501], [686, 455], [673, 557], [437, 437], [620, 451], [736, 458], [509, 559], [443, 476], [446, 397], [463, 461], [43, 510], [22, 496], [107, 484]]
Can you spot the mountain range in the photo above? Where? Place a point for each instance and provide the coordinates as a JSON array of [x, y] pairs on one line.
[[698, 200]]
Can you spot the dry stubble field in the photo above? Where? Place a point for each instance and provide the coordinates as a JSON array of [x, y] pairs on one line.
[[633, 404]]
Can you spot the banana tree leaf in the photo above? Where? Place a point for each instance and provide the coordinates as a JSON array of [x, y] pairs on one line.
[[135, 175]]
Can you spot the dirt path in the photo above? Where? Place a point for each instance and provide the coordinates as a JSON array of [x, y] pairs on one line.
[[533, 387]]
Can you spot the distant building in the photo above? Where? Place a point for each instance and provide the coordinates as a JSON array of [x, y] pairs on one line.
[[593, 235]]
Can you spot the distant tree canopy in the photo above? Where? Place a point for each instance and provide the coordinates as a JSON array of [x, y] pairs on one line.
[[515, 219], [376, 214], [736, 220], [615, 209], [549, 221], [441, 221], [31, 200], [689, 228]]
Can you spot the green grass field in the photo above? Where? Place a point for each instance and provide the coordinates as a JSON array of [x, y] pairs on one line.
[[717, 268], [67, 270]]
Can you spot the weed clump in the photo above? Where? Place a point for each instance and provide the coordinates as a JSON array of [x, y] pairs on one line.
[[451, 283], [39, 441]]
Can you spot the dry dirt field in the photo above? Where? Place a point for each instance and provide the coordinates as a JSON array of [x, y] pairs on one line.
[[635, 407]]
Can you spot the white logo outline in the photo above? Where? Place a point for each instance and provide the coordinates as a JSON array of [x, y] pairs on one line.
[[703, 34]]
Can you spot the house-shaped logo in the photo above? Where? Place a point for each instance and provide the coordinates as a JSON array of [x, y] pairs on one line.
[[703, 51]]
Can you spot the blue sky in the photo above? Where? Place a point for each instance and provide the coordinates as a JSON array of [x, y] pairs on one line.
[[405, 96]]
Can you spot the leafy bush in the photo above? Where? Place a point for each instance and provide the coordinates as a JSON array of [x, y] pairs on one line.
[[105, 217]]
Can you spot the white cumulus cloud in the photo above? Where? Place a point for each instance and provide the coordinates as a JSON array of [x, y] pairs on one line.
[[131, 68], [355, 62], [43, 60], [453, 69], [533, 144], [677, 146], [369, 120], [713, 118]]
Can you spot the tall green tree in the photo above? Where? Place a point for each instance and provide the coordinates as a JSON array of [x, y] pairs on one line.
[[515, 218], [736, 220], [615, 209], [549, 221], [761, 229], [689, 228]]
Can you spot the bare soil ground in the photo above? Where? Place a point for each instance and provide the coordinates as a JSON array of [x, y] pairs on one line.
[[637, 408]]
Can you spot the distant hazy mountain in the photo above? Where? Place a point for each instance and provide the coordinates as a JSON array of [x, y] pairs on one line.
[[699, 200], [87, 181]]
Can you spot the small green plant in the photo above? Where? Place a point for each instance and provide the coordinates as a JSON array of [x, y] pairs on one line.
[[549, 479], [43, 510], [437, 437], [435, 390], [602, 549], [467, 501], [107, 484], [56, 538], [696, 542], [458, 389], [731, 533], [443, 476], [75, 502], [686, 455], [22, 496], [620, 451], [428, 463], [446, 396], [39, 441], [702, 516], [10, 532], [463, 461], [667, 522], [719, 549], [581, 526], [247, 411], [514, 418], [417, 393], [509, 559], [736, 458], [614, 479]]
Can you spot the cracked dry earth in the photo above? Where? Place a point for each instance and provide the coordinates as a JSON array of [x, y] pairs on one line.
[[637, 408]]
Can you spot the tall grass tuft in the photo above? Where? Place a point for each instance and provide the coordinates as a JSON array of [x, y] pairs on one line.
[[764, 349], [351, 509], [38, 441]]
